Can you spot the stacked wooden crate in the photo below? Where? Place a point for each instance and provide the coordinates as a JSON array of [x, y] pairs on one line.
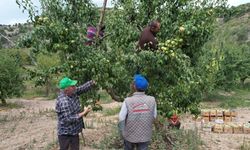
[[212, 115], [223, 121]]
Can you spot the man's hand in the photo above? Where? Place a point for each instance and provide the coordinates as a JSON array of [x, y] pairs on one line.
[[85, 112], [93, 82]]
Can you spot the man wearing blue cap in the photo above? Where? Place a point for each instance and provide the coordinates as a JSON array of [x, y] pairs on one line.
[[70, 122], [137, 115]]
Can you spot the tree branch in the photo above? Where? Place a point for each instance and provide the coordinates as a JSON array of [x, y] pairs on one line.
[[101, 19], [113, 95]]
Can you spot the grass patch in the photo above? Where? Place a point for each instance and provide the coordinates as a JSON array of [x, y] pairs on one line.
[[31, 91], [111, 111], [52, 146], [104, 97], [245, 145], [180, 140], [3, 118], [89, 124], [112, 141], [30, 94], [187, 139], [174, 139], [10, 106], [233, 99]]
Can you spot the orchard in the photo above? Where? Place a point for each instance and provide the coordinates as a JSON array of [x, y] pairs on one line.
[[179, 72]]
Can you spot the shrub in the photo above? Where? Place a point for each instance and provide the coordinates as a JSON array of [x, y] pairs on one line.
[[11, 82]]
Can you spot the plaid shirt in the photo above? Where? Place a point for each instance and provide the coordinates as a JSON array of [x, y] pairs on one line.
[[68, 108]]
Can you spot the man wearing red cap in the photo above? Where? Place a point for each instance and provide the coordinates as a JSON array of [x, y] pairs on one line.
[[70, 122], [137, 115]]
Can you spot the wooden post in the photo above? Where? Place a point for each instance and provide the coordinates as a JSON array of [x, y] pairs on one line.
[[101, 19]]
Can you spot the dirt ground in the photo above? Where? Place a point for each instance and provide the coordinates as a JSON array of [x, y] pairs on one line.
[[33, 127], [219, 141]]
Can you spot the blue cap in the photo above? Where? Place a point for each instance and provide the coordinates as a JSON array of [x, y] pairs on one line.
[[140, 82]]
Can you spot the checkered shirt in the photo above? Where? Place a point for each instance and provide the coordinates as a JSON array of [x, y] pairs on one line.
[[68, 108]]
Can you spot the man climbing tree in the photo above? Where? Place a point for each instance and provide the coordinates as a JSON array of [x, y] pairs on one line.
[[91, 34], [148, 36]]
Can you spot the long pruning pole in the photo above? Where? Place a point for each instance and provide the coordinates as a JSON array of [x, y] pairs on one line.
[[101, 19]]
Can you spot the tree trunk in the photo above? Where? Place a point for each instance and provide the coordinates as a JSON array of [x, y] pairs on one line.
[[113, 95], [4, 102], [47, 88], [242, 80], [149, 8], [101, 19]]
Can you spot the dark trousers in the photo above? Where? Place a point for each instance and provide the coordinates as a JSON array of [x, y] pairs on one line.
[[139, 146], [68, 141]]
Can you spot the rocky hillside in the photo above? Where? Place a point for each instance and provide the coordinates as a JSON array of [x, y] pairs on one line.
[[235, 27], [9, 34]]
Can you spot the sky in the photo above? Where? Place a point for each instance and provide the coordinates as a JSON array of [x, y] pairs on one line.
[[10, 13]]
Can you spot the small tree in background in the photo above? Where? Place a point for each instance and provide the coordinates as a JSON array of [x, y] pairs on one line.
[[11, 82], [42, 72]]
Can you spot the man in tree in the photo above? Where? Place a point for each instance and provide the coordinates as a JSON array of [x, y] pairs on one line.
[[148, 36], [137, 115], [70, 122], [91, 34]]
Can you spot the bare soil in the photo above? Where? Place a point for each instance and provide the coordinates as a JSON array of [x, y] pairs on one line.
[[219, 141], [34, 127]]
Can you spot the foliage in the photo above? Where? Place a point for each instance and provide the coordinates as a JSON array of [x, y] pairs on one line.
[[21, 55], [11, 106], [231, 41], [245, 145], [42, 75], [236, 98], [104, 97], [111, 141], [31, 91], [11, 82], [111, 111], [175, 78], [180, 140], [235, 12]]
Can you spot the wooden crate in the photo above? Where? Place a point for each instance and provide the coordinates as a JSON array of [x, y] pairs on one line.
[[219, 114], [234, 119], [227, 129], [218, 128], [213, 113], [205, 113], [237, 129], [233, 113], [213, 118], [220, 117], [227, 119], [207, 127], [227, 113], [246, 130], [206, 119]]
